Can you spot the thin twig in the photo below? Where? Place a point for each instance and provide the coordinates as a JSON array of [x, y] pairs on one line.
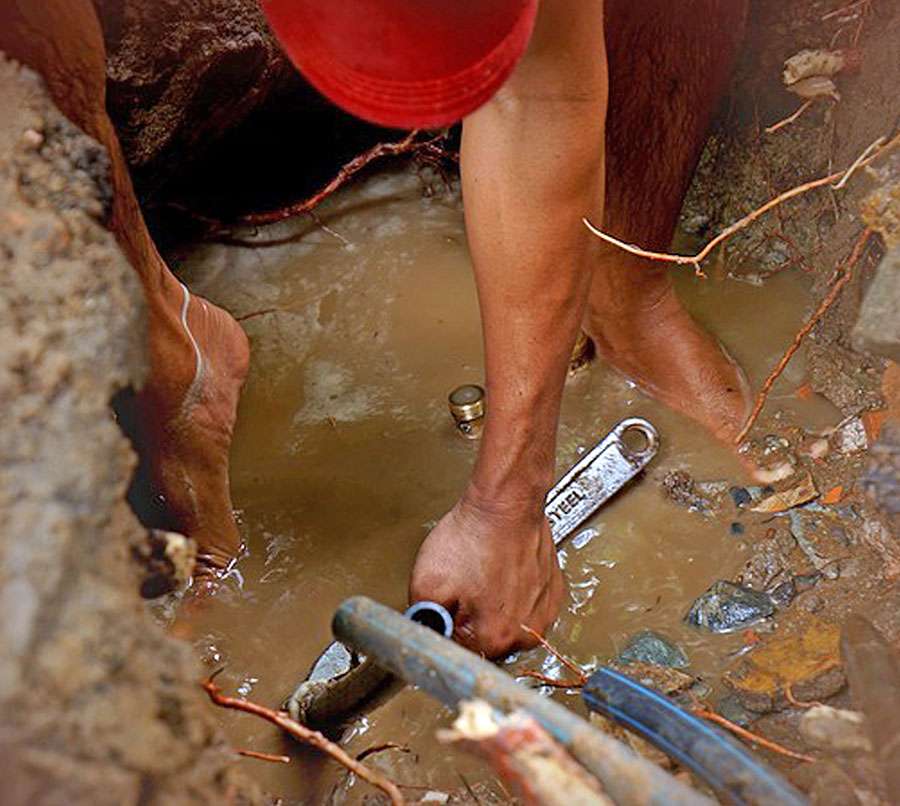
[[303, 733], [790, 118], [570, 665], [549, 681], [696, 260], [802, 333], [712, 716], [264, 756]]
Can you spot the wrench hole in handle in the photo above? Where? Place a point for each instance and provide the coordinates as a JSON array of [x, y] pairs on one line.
[[636, 439]]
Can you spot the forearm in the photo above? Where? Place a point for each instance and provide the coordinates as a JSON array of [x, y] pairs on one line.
[[532, 169]]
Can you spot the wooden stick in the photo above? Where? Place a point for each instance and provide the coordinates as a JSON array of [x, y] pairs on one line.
[[802, 333], [712, 716], [304, 734]]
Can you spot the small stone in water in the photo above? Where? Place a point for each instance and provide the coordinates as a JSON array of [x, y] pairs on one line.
[[740, 496], [650, 647], [784, 593], [727, 607], [737, 528]]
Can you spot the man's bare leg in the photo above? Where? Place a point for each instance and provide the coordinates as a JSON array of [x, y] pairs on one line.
[[532, 167], [198, 354], [667, 65]]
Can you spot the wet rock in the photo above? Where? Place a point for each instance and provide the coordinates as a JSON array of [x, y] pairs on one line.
[[784, 593], [878, 326], [650, 647], [740, 496], [727, 607], [835, 729], [787, 499], [730, 707], [662, 678], [820, 534], [807, 660], [737, 528]]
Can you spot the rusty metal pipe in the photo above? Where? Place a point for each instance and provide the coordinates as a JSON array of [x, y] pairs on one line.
[[450, 673]]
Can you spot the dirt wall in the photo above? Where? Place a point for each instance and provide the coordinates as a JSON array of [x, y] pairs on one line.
[[97, 705]]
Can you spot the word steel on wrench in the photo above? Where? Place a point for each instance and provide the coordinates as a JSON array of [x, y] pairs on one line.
[[599, 475]]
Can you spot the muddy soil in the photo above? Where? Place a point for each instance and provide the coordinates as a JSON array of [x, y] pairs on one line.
[[97, 704]]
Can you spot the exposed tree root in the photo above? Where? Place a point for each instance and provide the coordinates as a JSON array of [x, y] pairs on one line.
[[803, 332], [789, 119], [840, 177], [750, 736], [304, 734], [408, 144], [698, 709], [264, 756]]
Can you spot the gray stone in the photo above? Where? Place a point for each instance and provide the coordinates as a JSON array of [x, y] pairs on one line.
[[727, 607], [650, 647]]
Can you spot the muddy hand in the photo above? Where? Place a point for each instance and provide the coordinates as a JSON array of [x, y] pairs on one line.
[[494, 571]]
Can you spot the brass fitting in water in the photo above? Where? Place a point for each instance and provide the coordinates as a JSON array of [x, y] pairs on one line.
[[467, 407]]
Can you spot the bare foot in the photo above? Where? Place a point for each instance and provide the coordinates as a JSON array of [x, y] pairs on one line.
[[199, 358], [656, 343]]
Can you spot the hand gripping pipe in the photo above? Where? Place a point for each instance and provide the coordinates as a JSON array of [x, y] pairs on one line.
[[732, 772], [450, 673]]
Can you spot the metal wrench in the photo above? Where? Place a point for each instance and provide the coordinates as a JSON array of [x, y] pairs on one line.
[[599, 475], [340, 682]]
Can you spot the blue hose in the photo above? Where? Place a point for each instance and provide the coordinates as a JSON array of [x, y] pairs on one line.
[[732, 772]]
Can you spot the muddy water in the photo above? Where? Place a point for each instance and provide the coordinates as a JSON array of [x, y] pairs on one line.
[[344, 456]]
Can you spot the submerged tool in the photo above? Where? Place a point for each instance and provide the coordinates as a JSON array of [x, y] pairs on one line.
[[599, 475], [341, 682], [733, 773]]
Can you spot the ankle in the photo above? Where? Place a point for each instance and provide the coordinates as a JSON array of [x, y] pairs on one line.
[[624, 286]]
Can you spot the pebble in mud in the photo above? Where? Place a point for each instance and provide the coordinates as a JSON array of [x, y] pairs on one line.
[[650, 647], [727, 607]]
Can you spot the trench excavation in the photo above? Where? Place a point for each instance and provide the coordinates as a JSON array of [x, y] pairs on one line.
[[767, 606]]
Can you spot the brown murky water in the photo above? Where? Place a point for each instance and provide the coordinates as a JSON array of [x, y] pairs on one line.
[[344, 456]]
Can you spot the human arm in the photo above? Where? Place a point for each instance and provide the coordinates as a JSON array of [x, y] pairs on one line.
[[532, 168]]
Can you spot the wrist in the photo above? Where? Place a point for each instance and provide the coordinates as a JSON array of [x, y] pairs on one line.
[[519, 501]]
